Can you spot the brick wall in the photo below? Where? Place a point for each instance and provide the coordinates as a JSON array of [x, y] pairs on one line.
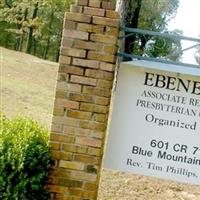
[[83, 92]]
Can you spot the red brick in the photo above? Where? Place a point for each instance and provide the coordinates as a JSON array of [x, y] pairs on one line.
[[76, 131], [63, 76], [71, 69], [76, 9], [69, 25], [71, 165], [69, 182], [108, 5], [95, 3], [75, 148], [67, 42], [84, 27], [90, 186], [79, 114], [82, 2], [66, 104], [83, 80], [54, 145], [93, 55], [56, 128], [60, 155], [80, 44], [93, 108], [81, 97], [112, 31], [102, 101], [61, 94], [93, 125], [104, 84], [57, 189], [73, 52], [63, 86], [66, 121], [88, 141], [86, 63], [83, 176], [73, 87], [105, 21], [100, 117], [97, 134], [76, 192], [94, 11], [89, 194], [75, 34], [58, 172], [97, 91], [107, 66], [64, 59], [61, 138], [99, 74], [107, 39], [112, 14], [111, 49], [86, 159], [94, 151], [90, 28], [58, 111], [78, 17]]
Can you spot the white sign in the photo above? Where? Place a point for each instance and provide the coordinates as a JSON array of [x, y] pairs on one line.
[[155, 122]]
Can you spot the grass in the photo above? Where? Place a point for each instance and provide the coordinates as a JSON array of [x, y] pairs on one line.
[[27, 86]]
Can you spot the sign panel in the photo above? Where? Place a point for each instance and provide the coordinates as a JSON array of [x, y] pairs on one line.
[[155, 123]]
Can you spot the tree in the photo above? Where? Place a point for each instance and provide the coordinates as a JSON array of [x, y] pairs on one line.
[[149, 15], [33, 26], [53, 15]]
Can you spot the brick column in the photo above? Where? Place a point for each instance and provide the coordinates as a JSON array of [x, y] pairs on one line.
[[83, 92]]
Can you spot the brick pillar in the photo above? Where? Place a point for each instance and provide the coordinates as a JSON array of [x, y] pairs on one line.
[[83, 92]]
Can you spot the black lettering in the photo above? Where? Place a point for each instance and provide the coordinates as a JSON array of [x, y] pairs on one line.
[[181, 83], [196, 88], [147, 79], [160, 81], [171, 82]]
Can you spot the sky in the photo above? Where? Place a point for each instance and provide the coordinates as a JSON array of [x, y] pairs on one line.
[[187, 20]]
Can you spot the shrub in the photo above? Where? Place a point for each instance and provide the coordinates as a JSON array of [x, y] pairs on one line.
[[24, 160]]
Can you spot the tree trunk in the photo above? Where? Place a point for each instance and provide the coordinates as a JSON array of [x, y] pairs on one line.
[[58, 51], [46, 50], [34, 46], [129, 18], [132, 20], [57, 54], [21, 40], [30, 34]]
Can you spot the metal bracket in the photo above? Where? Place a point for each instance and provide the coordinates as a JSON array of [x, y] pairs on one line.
[[166, 59]]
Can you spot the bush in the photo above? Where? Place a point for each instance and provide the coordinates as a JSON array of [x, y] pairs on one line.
[[24, 160]]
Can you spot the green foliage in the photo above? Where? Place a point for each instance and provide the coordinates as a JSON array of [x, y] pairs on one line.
[[24, 160], [33, 26], [152, 15]]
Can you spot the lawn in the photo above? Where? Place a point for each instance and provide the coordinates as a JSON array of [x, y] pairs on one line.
[[27, 86]]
